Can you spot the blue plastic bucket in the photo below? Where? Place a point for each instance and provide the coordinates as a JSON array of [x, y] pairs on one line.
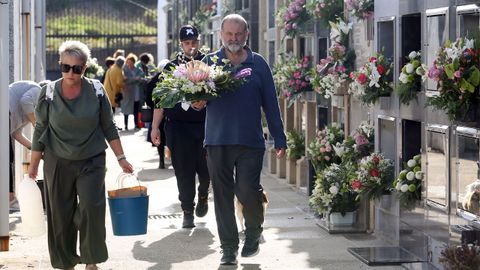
[[129, 215]]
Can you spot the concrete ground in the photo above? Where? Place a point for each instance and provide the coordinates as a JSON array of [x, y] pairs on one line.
[[292, 239]]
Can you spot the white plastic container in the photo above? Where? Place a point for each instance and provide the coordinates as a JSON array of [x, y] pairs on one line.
[[31, 208]]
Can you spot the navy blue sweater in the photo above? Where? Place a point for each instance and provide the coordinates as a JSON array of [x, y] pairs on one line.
[[235, 118]]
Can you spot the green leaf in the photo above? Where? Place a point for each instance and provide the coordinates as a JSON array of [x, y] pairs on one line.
[[474, 78], [449, 70], [465, 85]]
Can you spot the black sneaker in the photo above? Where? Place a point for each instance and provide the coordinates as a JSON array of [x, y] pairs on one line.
[[229, 256], [188, 220], [202, 207], [251, 246]]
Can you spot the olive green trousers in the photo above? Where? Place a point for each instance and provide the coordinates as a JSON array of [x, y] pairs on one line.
[[75, 206]]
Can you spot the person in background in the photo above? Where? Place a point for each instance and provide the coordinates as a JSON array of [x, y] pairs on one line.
[[184, 130], [235, 143], [132, 94], [152, 83], [23, 97], [109, 61], [119, 52], [114, 82], [73, 121]]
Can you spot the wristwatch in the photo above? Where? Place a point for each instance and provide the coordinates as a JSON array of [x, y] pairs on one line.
[[120, 157]]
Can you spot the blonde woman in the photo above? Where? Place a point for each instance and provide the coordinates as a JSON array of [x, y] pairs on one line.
[[74, 119]]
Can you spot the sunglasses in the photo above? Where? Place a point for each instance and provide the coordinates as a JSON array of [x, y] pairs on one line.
[[77, 69]]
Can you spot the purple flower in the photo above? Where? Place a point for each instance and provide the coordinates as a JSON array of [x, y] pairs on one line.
[[243, 73]]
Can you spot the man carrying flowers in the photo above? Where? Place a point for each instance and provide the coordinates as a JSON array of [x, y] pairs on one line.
[[234, 139], [184, 130]]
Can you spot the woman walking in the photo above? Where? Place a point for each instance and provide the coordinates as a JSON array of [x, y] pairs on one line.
[[74, 118]]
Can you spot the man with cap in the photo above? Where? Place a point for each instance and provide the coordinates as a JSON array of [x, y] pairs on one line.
[[184, 130]]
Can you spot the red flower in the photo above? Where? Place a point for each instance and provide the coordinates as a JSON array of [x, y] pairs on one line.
[[372, 59], [374, 173], [380, 69], [376, 160], [362, 78], [356, 185]]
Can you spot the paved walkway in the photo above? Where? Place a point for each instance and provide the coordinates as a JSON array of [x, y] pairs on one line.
[[292, 239]]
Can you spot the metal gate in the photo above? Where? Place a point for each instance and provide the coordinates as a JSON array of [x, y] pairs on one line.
[[104, 26]]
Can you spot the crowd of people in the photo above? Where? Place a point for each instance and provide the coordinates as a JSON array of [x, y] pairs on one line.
[[219, 141]]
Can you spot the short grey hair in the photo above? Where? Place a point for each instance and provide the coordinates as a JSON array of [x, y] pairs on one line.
[[76, 49], [235, 18]]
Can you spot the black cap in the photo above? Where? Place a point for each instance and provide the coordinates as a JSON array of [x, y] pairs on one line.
[[188, 32]]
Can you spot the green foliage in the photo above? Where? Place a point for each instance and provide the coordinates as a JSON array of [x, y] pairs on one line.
[[295, 144]]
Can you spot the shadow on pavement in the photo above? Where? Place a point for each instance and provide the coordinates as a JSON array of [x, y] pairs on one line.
[[180, 246], [155, 174]]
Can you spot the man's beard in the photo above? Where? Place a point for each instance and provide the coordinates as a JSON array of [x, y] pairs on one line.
[[234, 47]]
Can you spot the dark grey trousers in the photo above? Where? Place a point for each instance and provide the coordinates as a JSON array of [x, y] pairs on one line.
[[76, 203], [235, 170]]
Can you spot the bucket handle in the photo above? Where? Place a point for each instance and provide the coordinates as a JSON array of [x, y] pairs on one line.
[[121, 177]]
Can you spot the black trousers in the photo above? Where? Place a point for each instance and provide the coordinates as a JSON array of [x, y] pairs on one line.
[[185, 141], [11, 186], [76, 203], [235, 170], [136, 109]]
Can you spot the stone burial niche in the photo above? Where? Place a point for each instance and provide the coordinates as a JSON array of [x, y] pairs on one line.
[[437, 172]]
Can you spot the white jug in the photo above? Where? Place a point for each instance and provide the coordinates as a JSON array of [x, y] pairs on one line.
[[31, 207]]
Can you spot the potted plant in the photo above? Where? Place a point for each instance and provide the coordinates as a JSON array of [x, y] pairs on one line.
[[409, 183], [321, 149], [372, 80], [465, 257], [411, 77], [292, 77], [361, 9], [330, 76], [374, 176], [334, 195], [293, 17], [326, 10], [456, 71], [295, 145]]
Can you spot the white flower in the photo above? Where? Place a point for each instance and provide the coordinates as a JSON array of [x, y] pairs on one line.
[[409, 68], [398, 186], [339, 149], [403, 78], [452, 53], [404, 188], [333, 190], [412, 55], [374, 76], [411, 163], [419, 175], [469, 44], [410, 176]]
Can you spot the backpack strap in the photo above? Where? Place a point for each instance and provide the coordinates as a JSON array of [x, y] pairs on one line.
[[50, 92], [98, 88], [97, 85]]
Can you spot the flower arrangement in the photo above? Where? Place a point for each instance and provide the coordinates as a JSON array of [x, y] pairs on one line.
[[203, 15], [362, 9], [197, 80], [326, 10], [456, 70], [460, 257], [333, 191], [409, 183], [295, 145], [329, 76], [94, 70], [293, 17], [411, 76], [357, 146], [374, 176], [372, 80], [292, 77], [321, 149]]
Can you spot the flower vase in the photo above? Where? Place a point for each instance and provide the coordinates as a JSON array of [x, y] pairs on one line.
[[337, 219]]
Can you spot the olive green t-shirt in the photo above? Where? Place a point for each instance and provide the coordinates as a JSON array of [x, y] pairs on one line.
[[74, 129]]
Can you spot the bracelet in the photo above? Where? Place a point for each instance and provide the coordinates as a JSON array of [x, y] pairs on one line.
[[120, 157]]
